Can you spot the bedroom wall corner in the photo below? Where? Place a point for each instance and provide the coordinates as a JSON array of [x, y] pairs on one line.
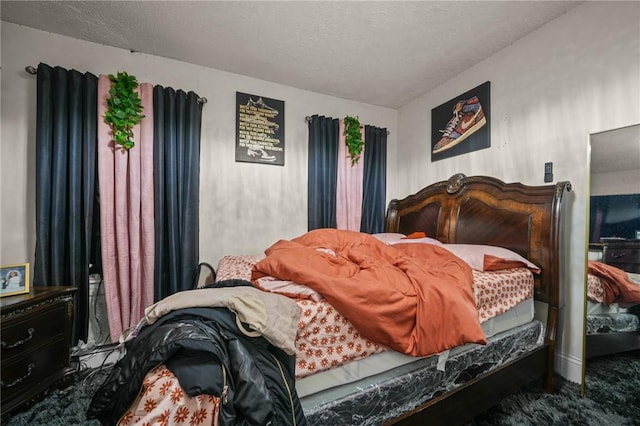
[[550, 90]]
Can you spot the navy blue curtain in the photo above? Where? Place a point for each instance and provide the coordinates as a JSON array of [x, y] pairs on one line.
[[323, 172], [374, 180], [66, 176], [177, 122]]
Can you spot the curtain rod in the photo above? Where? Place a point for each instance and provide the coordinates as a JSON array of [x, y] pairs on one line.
[[33, 71], [307, 119]]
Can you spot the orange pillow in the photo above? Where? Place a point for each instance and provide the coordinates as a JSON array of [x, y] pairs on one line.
[[495, 263], [415, 235], [479, 256]]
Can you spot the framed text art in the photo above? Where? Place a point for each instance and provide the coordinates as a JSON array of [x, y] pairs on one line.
[[259, 129], [14, 279], [461, 125]]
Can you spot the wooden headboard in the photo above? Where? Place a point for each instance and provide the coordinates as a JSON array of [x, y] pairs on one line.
[[485, 210]]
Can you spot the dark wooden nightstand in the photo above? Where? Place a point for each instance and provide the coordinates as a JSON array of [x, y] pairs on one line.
[[623, 254], [36, 344]]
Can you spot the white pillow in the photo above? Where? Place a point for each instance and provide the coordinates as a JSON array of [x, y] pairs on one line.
[[391, 238], [386, 237]]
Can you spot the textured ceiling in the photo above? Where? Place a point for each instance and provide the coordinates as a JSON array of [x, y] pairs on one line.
[[376, 52]]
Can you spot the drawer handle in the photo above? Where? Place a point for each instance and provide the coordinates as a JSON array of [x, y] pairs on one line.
[[617, 255], [6, 345], [20, 380]]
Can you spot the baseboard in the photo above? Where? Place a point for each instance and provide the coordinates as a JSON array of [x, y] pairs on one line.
[[569, 367]]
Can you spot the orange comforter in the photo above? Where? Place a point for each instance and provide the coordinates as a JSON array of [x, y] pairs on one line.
[[414, 298], [617, 285]]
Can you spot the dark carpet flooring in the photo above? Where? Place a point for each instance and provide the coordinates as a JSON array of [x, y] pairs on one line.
[[612, 398]]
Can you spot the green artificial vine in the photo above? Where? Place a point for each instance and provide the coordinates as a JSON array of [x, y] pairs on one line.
[[353, 138], [124, 108]]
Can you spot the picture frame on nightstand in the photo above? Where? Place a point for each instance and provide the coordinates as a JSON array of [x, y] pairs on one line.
[[14, 279]]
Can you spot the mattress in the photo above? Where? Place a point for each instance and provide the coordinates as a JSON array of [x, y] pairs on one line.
[[326, 340], [389, 372], [594, 308], [377, 363], [381, 397], [603, 318]]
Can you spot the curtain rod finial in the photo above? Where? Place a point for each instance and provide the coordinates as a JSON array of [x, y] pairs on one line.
[[31, 70]]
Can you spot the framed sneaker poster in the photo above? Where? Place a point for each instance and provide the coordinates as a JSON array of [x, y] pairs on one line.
[[461, 125], [259, 129]]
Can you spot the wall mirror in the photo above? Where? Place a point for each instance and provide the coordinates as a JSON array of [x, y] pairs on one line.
[[613, 239]]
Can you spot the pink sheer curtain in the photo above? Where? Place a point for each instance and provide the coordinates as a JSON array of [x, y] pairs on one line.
[[126, 215], [349, 187]]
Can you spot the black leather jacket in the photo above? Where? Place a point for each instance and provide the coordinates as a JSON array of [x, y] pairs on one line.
[[205, 350]]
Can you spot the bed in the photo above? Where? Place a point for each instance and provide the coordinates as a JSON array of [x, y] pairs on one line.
[[431, 385], [613, 310]]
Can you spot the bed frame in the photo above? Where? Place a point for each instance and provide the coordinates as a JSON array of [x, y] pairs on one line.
[[611, 343], [485, 210]]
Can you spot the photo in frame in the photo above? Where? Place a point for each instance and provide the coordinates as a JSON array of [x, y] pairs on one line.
[[462, 124], [14, 279]]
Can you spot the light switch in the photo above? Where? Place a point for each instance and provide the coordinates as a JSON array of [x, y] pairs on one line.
[[548, 172]]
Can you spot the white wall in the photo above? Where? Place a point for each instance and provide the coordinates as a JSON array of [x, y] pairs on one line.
[[577, 75], [244, 207]]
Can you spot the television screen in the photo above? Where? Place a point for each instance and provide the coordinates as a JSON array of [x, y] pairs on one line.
[[614, 216]]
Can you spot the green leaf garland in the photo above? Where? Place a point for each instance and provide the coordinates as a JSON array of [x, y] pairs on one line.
[[124, 108], [353, 138]]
